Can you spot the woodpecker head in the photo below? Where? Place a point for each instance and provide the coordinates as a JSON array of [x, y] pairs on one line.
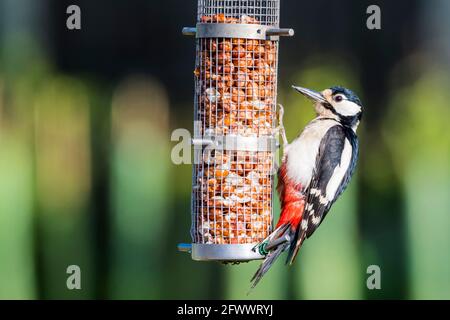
[[336, 102]]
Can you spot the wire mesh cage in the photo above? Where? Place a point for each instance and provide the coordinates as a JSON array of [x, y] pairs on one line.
[[234, 130], [264, 12]]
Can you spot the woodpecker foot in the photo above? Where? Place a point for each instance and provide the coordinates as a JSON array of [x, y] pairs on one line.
[[280, 129], [262, 249]]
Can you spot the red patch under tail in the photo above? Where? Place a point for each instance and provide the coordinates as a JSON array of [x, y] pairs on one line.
[[291, 198]]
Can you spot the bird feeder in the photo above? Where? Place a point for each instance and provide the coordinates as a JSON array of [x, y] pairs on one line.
[[234, 127]]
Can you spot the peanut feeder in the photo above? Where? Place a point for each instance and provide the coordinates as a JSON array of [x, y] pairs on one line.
[[234, 127]]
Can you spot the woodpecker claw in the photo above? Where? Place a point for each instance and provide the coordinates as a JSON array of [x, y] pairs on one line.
[[262, 249], [280, 129], [269, 243], [275, 243]]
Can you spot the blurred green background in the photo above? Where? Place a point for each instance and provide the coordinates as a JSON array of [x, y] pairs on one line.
[[86, 176]]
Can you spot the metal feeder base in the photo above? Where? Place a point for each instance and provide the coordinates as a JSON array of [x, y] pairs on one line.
[[222, 252]]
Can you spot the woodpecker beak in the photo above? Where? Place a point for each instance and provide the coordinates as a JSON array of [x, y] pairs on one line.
[[311, 94]]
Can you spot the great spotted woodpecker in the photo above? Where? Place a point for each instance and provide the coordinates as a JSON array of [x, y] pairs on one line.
[[316, 168]]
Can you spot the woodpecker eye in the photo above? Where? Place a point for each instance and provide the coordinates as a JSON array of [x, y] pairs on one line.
[[338, 98]]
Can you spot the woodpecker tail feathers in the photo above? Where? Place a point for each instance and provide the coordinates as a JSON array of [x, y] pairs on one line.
[[273, 246], [296, 243]]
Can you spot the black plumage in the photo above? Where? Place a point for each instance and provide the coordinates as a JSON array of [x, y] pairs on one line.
[[353, 139], [328, 158]]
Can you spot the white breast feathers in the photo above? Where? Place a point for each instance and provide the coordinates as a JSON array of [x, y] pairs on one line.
[[301, 153]]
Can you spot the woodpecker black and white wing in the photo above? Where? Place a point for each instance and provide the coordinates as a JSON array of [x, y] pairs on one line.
[[352, 138], [335, 164]]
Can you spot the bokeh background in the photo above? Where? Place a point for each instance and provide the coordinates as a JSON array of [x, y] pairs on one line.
[[86, 176]]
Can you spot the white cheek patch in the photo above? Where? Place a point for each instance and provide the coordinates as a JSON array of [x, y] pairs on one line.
[[347, 108]]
